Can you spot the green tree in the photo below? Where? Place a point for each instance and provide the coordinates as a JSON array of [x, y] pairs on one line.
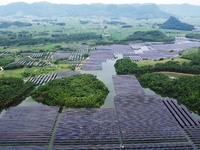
[[126, 66]]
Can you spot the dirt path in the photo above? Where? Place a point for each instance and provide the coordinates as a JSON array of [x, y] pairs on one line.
[[176, 73]]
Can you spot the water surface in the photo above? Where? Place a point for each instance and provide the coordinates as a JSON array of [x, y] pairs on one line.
[[105, 75]]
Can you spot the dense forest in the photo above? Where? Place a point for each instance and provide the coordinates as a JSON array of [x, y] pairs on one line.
[[77, 91], [11, 89], [25, 38], [174, 24], [184, 89], [152, 36]]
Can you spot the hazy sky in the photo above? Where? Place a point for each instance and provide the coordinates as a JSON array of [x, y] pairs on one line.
[[194, 2]]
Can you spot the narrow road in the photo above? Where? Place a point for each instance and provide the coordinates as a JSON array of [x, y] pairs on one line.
[[1, 69]]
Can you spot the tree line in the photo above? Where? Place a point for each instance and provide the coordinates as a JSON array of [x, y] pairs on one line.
[[18, 39], [127, 66], [11, 89]]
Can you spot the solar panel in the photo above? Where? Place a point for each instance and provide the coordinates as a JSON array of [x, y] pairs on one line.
[[27, 124], [162, 146], [194, 134], [87, 125], [86, 147], [23, 148], [143, 118]]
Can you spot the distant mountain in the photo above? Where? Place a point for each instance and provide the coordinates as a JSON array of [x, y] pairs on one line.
[[44, 9], [184, 10], [175, 24], [16, 23]]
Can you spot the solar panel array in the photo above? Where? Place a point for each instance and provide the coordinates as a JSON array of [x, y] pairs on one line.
[[139, 121], [176, 46], [121, 49], [37, 55], [44, 78], [161, 146], [144, 118], [23, 148], [26, 125], [194, 134], [67, 73], [137, 52], [86, 126], [133, 57], [74, 55], [86, 147], [96, 58], [30, 62], [181, 114], [61, 54], [4, 54]]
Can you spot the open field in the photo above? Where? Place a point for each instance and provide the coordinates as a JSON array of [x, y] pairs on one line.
[[35, 71], [153, 62]]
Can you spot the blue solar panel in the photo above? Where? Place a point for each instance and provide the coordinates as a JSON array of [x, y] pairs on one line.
[[143, 118], [27, 124], [87, 125]]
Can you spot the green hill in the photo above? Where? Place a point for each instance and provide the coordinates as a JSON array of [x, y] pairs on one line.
[[174, 24], [151, 36]]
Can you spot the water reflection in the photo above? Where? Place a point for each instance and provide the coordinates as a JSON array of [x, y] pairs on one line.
[[2, 113], [29, 101], [105, 75]]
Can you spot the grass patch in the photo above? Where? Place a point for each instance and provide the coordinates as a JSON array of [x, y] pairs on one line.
[[153, 62], [35, 70], [190, 51]]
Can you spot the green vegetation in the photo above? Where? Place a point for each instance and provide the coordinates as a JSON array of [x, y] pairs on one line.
[[193, 35], [184, 89], [12, 66], [153, 62], [77, 91], [125, 66], [173, 66], [174, 24], [34, 71], [6, 60], [26, 38], [191, 54], [11, 89], [154, 36]]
